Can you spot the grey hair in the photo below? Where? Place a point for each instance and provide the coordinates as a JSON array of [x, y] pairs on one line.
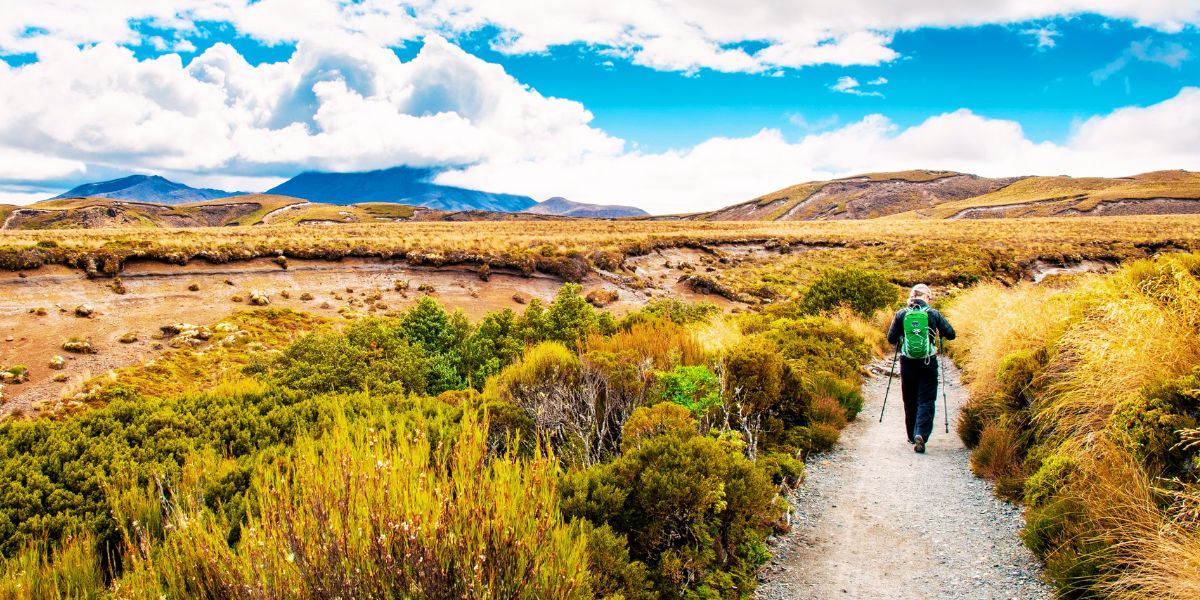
[[921, 291]]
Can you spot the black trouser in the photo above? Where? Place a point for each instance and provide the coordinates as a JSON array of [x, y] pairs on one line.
[[919, 383]]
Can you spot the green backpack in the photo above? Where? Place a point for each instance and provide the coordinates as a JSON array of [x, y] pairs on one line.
[[917, 342]]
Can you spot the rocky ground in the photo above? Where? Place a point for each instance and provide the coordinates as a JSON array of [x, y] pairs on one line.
[[876, 520]]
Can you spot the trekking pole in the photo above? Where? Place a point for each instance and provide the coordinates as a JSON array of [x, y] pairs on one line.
[[889, 385], [942, 370]]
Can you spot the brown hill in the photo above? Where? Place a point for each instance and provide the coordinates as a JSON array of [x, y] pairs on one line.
[[948, 195], [866, 196], [1158, 192]]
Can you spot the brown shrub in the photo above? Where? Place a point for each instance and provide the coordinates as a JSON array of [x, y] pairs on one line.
[[826, 409], [602, 298]]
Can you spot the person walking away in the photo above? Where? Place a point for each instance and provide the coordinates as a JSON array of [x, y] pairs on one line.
[[913, 331]]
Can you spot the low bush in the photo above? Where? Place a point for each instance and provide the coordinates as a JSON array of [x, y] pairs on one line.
[[863, 291]]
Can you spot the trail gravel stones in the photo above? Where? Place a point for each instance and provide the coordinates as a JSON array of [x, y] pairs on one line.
[[876, 520]]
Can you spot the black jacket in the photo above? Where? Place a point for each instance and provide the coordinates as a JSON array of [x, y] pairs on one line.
[[937, 324]]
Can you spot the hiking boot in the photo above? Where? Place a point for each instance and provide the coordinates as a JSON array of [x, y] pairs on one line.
[[919, 445]]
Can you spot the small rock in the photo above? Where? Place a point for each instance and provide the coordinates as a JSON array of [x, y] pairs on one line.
[[79, 346], [8, 339], [84, 310], [57, 362], [259, 298], [128, 338]]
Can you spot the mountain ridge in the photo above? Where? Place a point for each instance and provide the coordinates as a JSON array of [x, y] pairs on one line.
[[404, 185], [568, 208], [145, 188]]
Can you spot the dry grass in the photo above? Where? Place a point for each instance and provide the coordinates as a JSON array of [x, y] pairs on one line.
[[1102, 342]]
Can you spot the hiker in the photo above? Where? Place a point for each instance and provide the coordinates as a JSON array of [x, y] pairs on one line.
[[913, 331]]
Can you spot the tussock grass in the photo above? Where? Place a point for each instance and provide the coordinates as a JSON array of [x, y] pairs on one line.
[[1088, 388]]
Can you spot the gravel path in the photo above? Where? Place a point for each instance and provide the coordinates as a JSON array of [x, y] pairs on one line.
[[876, 520]]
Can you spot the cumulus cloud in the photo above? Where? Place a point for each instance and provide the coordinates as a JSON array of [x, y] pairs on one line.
[[850, 85], [350, 105], [681, 35], [344, 102], [722, 171]]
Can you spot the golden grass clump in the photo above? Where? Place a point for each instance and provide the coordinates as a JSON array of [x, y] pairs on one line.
[[373, 513]]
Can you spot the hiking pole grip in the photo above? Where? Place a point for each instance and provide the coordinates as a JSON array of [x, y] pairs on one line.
[[889, 383]]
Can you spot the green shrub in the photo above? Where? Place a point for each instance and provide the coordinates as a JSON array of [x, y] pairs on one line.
[[1018, 372], [570, 319], [1051, 477], [694, 511], [1148, 425], [781, 467], [1073, 558], [863, 291], [754, 373], [671, 309], [370, 354], [815, 344], [695, 388], [648, 422]]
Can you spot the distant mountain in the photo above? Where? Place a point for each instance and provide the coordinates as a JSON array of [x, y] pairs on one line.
[[145, 188], [405, 185], [566, 208]]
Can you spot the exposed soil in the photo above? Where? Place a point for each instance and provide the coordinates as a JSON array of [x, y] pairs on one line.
[[157, 294], [876, 520], [1042, 269]]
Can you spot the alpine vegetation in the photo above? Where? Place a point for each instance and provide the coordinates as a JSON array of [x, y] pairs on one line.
[[554, 453]]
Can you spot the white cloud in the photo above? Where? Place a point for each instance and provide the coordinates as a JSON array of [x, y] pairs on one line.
[[344, 102], [722, 171], [1043, 36], [849, 85], [24, 165], [682, 35], [351, 105], [1171, 54], [878, 81]]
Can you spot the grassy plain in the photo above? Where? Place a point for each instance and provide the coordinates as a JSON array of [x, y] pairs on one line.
[[605, 244]]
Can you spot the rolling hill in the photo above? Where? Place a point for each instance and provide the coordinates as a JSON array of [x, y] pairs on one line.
[[566, 208], [1159, 192], [250, 209], [952, 195], [405, 185], [145, 188], [866, 196]]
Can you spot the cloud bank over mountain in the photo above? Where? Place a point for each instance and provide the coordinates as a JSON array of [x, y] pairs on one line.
[[344, 100]]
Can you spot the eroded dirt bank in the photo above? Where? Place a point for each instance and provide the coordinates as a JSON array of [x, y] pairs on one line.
[[158, 294], [876, 520]]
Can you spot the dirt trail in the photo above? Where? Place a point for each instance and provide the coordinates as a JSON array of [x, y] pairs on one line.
[[876, 520]]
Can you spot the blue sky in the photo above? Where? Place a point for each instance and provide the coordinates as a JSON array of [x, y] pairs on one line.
[[702, 110]]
